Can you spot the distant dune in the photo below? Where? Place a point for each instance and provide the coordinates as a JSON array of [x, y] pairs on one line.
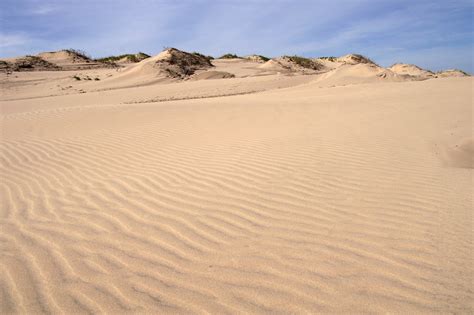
[[125, 58], [411, 70], [182, 184], [452, 73], [70, 59]]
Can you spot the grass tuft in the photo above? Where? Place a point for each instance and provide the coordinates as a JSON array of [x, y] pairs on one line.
[[304, 62], [229, 56]]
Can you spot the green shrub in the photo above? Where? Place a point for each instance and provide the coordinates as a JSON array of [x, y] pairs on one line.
[[362, 59], [203, 56], [229, 56], [78, 52], [330, 58], [131, 57], [304, 62]]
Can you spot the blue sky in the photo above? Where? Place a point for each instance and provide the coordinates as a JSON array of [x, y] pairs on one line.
[[433, 34]]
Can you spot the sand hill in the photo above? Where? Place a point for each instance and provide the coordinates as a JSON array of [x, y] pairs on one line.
[[452, 73], [354, 59], [273, 65], [360, 74], [329, 63], [70, 59], [133, 58], [257, 58], [125, 58], [174, 63], [27, 63], [412, 70], [52, 61], [171, 64], [65, 57], [291, 64]]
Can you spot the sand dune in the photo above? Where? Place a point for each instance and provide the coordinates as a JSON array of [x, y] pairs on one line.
[[355, 59], [126, 58], [263, 193], [360, 73], [411, 70], [173, 65], [169, 65], [72, 60], [257, 58], [64, 60], [293, 64], [27, 63], [451, 73], [64, 57]]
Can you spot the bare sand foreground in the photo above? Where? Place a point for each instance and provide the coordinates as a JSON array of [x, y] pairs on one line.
[[345, 191]]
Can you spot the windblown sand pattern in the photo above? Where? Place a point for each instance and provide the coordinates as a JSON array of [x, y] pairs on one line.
[[305, 199]]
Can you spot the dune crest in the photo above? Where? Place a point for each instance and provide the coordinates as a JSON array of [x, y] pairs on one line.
[[355, 59], [452, 73], [70, 59], [412, 70], [28, 63], [359, 73]]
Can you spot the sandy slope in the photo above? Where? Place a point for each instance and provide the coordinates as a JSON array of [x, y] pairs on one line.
[[304, 199]]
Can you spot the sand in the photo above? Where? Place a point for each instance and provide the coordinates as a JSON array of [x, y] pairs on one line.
[[411, 70], [344, 192]]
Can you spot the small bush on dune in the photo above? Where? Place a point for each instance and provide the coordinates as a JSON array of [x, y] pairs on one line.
[[79, 53], [131, 57], [204, 56], [330, 58], [362, 59], [29, 63], [304, 62], [454, 70], [263, 58], [143, 55], [229, 56]]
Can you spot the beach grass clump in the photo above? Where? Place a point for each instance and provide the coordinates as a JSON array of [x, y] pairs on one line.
[[304, 62], [329, 58], [229, 56], [203, 56], [129, 57], [265, 59]]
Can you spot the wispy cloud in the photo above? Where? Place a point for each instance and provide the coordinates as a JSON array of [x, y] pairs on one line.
[[43, 9], [12, 40]]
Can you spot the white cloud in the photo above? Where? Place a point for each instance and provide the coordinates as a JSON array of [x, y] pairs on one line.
[[43, 10], [12, 40]]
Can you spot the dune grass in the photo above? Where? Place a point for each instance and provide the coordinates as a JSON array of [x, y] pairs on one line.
[[304, 62], [130, 57]]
